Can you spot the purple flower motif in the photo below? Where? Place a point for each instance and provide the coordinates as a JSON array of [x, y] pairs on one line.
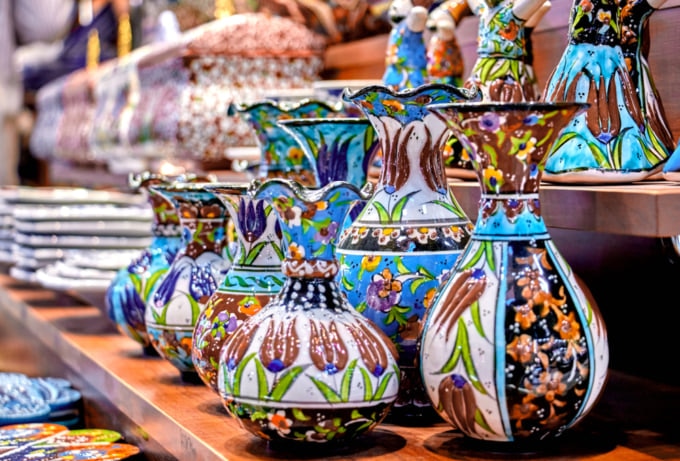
[[326, 234], [201, 283], [489, 122], [331, 162], [252, 219], [133, 307], [166, 288], [141, 264], [383, 292], [531, 120]]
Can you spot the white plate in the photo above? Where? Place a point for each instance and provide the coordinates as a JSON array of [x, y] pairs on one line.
[[69, 195], [64, 270], [100, 259], [89, 228], [80, 241], [6, 221], [32, 263], [20, 251], [24, 275], [49, 279], [6, 257], [82, 213], [6, 235]]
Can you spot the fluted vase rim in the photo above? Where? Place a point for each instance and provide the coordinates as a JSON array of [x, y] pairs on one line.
[[494, 106], [308, 194], [316, 120], [464, 93], [235, 108]]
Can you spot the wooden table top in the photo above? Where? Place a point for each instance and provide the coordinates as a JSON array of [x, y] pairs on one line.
[[636, 419]]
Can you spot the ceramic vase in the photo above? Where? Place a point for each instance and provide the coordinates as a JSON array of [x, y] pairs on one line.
[[253, 278], [308, 367], [280, 155], [613, 141], [132, 286], [410, 232], [512, 349], [199, 266]]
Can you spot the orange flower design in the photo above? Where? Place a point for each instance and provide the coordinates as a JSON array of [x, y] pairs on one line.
[[510, 31]]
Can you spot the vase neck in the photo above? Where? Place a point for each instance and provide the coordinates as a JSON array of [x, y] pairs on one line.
[[510, 216], [310, 268], [305, 293], [203, 235]]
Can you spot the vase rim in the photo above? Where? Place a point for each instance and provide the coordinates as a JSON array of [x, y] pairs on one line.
[[463, 93], [317, 120], [283, 106], [493, 106], [182, 187], [305, 193]]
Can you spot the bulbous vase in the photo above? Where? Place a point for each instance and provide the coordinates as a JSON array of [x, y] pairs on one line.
[[410, 232], [130, 289], [308, 367], [199, 266], [280, 155], [512, 350], [253, 278]]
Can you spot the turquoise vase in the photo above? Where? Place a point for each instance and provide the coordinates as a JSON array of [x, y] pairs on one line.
[[178, 300], [130, 289], [512, 349], [308, 367], [280, 155], [253, 278], [394, 256]]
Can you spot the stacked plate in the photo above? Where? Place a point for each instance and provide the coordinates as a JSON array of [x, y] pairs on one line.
[[101, 228], [6, 228]]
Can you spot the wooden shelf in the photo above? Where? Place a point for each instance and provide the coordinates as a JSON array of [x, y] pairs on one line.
[[649, 209], [634, 420]]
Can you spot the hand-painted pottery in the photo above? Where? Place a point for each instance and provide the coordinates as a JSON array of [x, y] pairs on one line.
[[635, 47], [179, 298], [45, 441], [253, 278], [308, 367], [500, 70], [444, 57], [671, 170], [280, 155], [132, 286], [406, 56], [512, 349], [331, 91], [614, 141], [410, 232]]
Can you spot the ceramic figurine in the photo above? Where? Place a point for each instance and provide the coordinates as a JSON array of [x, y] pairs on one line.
[[512, 349], [635, 47], [444, 58], [280, 155], [613, 141], [253, 278], [179, 298], [500, 70], [410, 232], [406, 60], [308, 367]]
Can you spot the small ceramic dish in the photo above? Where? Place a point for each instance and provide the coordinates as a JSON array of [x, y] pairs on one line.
[[85, 228]]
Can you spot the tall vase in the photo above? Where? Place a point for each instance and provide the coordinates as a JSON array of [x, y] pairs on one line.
[[178, 300], [253, 278], [280, 155], [339, 149], [130, 289], [512, 350], [308, 367], [613, 141], [410, 232]]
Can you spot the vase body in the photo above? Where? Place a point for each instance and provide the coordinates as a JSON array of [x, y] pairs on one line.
[[132, 286], [613, 141], [512, 348], [280, 155], [179, 298], [253, 278], [308, 367], [410, 232]]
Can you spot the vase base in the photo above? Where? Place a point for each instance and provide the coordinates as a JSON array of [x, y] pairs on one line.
[[149, 351], [580, 441], [190, 377]]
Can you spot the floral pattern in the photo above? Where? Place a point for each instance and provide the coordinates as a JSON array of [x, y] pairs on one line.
[[280, 155], [412, 226], [614, 140], [512, 349], [173, 309], [308, 367]]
